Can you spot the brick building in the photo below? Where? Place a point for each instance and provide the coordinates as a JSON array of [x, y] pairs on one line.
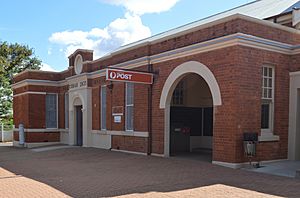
[[214, 80]]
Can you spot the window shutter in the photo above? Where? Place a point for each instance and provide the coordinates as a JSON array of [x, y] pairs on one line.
[[51, 111]]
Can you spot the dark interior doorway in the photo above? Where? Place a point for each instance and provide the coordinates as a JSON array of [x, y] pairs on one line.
[[191, 119], [79, 128]]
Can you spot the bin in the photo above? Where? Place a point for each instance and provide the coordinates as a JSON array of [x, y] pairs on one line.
[[250, 140]]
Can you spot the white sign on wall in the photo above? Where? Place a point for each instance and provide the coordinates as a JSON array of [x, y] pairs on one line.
[[118, 119]]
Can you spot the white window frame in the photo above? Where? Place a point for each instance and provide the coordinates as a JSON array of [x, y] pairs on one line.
[[180, 87], [129, 105], [101, 108], [67, 110], [56, 110], [268, 100]]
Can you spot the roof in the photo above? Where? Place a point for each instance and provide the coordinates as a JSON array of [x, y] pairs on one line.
[[296, 5], [260, 9]]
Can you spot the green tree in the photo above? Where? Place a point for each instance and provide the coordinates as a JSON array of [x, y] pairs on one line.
[[14, 58]]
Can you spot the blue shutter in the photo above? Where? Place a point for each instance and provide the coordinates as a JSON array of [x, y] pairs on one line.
[[51, 111]]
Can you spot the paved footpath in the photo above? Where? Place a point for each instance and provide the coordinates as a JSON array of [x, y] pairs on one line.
[[89, 172]]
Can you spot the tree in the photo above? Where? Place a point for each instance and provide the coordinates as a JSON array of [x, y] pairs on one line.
[[14, 58]]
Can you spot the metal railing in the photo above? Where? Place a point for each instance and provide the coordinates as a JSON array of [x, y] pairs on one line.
[[6, 133]]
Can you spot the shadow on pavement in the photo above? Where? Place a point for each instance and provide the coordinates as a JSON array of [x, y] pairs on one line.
[[89, 172]]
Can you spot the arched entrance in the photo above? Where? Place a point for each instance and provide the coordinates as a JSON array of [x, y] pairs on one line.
[[77, 134], [199, 82], [78, 121]]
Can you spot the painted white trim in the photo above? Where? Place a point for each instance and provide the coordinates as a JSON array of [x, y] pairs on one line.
[[78, 64], [37, 71], [42, 130], [228, 165], [297, 73], [30, 92], [157, 155], [66, 110], [129, 105], [100, 132], [129, 133], [166, 95], [122, 133], [294, 114], [34, 144], [218, 43], [187, 68], [192, 27], [39, 83], [57, 118], [268, 132], [243, 164], [268, 138], [129, 152]]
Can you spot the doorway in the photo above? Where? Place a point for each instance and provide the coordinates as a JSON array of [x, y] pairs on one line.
[[191, 119], [79, 128]]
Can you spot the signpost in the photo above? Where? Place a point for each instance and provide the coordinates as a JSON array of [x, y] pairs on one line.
[[129, 76]]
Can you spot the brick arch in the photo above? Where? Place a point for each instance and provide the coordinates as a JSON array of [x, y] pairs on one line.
[[184, 69], [176, 75]]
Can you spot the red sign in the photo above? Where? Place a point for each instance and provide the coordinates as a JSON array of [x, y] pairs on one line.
[[129, 76]]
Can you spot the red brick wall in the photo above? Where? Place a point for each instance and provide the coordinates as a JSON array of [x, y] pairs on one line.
[[197, 36], [141, 107], [96, 98], [38, 137], [29, 109], [238, 73], [117, 98], [136, 144], [36, 111], [21, 110], [250, 63]]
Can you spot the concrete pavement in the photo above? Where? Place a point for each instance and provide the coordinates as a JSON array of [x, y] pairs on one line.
[[89, 172]]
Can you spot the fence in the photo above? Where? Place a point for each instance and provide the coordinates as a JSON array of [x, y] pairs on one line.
[[6, 134]]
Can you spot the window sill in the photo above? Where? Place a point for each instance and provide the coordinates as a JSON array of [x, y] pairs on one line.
[[121, 133], [268, 137]]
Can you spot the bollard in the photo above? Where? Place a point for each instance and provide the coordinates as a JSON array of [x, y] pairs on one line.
[[2, 132], [21, 134]]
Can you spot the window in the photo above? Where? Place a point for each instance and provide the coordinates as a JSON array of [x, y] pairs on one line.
[[267, 104], [129, 106], [51, 111], [66, 110], [177, 98], [103, 108]]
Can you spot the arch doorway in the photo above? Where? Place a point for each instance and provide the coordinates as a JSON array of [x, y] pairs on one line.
[[79, 127], [78, 122], [189, 96], [191, 118]]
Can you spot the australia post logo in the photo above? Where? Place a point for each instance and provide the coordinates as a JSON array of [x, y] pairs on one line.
[[129, 76], [114, 75]]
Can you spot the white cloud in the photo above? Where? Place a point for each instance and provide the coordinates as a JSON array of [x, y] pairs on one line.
[[120, 32], [46, 67], [141, 7]]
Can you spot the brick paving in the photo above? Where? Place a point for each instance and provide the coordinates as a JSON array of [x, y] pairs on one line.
[[89, 172]]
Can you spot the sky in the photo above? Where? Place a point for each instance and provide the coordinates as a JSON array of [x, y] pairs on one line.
[[56, 28]]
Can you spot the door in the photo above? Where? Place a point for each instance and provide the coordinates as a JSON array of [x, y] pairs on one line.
[[79, 125]]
